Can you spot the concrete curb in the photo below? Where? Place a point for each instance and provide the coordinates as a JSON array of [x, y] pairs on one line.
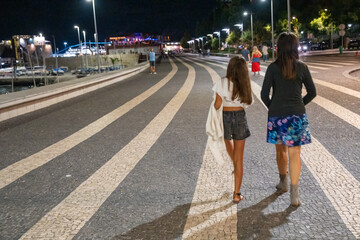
[[32, 102], [347, 74]]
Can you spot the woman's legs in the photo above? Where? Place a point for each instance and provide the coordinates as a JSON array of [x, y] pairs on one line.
[[238, 163], [294, 164], [282, 159], [295, 169]]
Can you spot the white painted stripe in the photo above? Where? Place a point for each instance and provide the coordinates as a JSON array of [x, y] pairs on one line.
[[22, 167], [211, 204], [338, 64], [341, 188], [338, 88], [316, 67], [323, 64], [66, 219], [339, 111], [213, 74]]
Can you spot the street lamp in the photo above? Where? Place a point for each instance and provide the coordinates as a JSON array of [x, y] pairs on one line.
[[78, 31], [241, 28], [227, 30], [252, 32], [218, 33], [85, 50], [272, 29], [65, 43], [96, 34], [288, 8]]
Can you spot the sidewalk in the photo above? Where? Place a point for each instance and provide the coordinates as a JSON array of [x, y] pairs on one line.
[[18, 103]]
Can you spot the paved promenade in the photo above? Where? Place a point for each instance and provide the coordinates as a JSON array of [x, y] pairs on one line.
[[131, 161]]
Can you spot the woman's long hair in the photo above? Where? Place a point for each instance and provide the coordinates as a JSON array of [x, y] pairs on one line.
[[238, 73], [288, 54]]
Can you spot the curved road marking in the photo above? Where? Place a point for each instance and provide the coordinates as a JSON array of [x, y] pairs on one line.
[[210, 205], [66, 219], [24, 166]]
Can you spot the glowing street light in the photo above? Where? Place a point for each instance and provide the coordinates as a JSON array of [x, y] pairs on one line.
[[96, 34], [272, 29], [86, 60], [80, 44], [218, 33], [252, 31]]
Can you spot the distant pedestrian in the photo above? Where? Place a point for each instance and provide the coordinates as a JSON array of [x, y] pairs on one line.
[[255, 58], [152, 61], [246, 54], [288, 125], [208, 52], [265, 52], [233, 95]]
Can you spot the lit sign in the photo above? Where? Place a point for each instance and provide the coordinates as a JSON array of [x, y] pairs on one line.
[[39, 41]]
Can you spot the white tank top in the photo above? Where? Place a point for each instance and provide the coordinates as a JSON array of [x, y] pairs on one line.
[[223, 89]]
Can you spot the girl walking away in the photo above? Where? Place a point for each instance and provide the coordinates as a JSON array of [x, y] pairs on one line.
[[255, 57], [234, 93], [288, 125]]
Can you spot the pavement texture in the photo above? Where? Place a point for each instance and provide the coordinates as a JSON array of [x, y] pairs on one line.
[[149, 173]]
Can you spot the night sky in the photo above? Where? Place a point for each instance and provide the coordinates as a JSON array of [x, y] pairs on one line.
[[115, 17]]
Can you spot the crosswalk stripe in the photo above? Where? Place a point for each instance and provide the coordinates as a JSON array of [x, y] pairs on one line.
[[24, 166], [323, 64], [336, 63], [339, 185], [316, 67], [211, 203], [339, 88], [66, 219]]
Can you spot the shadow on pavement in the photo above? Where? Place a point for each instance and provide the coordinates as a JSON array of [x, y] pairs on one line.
[[252, 223]]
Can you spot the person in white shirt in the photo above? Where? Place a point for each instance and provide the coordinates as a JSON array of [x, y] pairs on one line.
[[265, 53], [234, 94]]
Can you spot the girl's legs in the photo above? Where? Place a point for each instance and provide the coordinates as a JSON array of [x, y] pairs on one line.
[[230, 149], [238, 164], [295, 168]]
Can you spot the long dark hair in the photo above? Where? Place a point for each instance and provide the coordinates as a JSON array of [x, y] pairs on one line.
[[288, 54], [238, 73]]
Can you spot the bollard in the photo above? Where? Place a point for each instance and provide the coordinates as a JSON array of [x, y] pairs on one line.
[[357, 53]]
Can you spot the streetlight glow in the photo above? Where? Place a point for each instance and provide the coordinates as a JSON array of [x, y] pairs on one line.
[[246, 13]]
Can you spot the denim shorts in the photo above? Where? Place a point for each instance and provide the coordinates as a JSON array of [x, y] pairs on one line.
[[152, 63], [235, 125]]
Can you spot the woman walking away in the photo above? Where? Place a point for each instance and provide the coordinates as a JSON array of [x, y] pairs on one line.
[[288, 125], [255, 57], [234, 93]]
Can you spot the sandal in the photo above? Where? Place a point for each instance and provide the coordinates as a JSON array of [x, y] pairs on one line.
[[237, 197]]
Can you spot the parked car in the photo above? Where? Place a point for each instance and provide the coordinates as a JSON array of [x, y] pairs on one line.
[[303, 46], [57, 71], [354, 43], [40, 70]]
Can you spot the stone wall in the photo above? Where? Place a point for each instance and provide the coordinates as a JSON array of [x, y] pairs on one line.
[[76, 62]]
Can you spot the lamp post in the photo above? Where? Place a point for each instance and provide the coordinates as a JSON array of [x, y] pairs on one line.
[[288, 8], [80, 44], [65, 43], [241, 28], [218, 33], [86, 60], [272, 29], [252, 31], [96, 34], [227, 30]]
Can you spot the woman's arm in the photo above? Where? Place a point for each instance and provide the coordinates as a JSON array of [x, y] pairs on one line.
[[267, 84], [310, 87], [218, 102]]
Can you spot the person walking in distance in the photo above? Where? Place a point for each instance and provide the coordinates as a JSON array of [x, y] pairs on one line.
[[152, 61], [265, 53], [255, 58], [288, 125], [246, 54], [234, 93]]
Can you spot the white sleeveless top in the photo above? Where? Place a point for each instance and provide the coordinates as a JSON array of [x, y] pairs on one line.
[[223, 89]]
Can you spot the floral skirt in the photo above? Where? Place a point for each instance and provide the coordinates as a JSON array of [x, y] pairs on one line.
[[290, 131]]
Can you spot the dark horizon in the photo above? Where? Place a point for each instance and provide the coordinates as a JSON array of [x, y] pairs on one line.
[[114, 18]]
